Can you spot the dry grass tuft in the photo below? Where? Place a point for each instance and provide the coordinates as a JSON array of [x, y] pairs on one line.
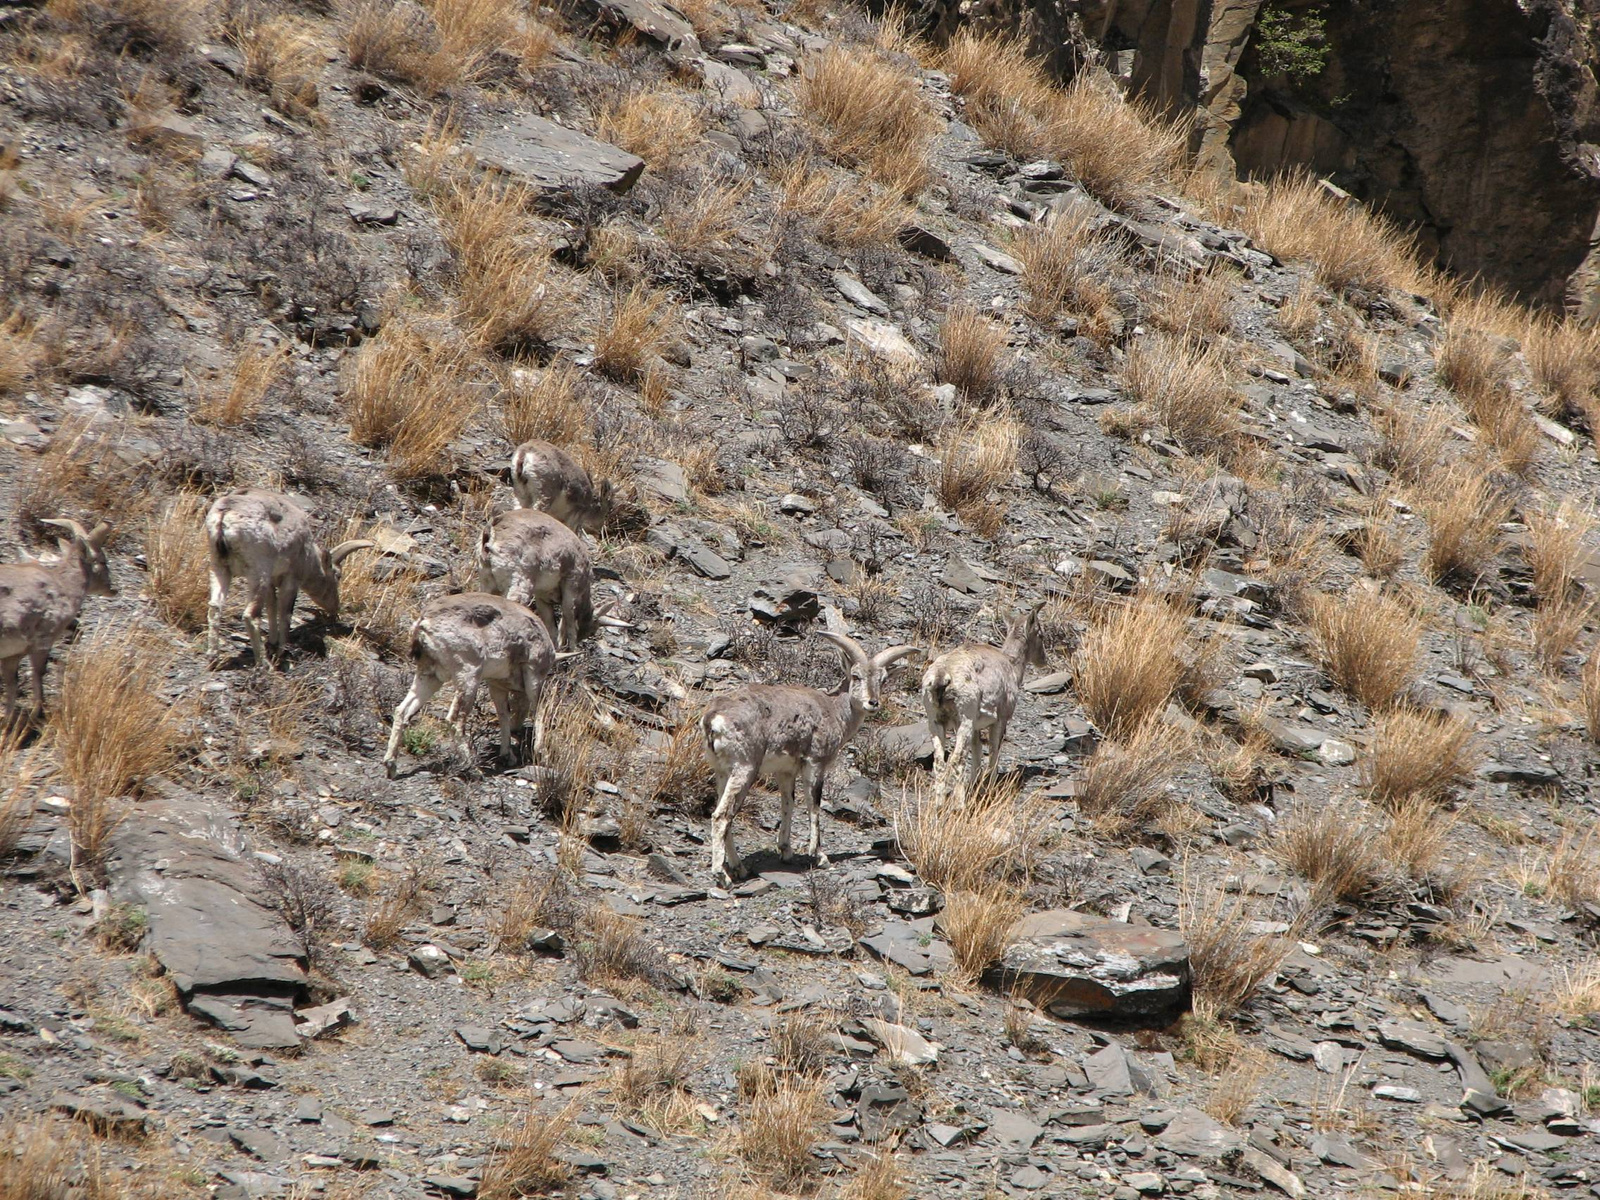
[[179, 562], [1416, 837], [1556, 549], [975, 459], [1194, 307], [780, 1126], [1237, 1087], [802, 1043], [398, 905], [846, 212], [377, 595], [1411, 441], [975, 924], [1129, 664], [547, 404], [968, 849], [160, 26], [527, 1162], [872, 115], [1185, 388], [638, 326], [877, 1177], [661, 126], [1120, 149], [409, 392], [540, 900], [510, 296], [1569, 871], [1577, 995], [1564, 359], [1332, 846], [281, 57], [1124, 782], [612, 950], [1228, 958], [17, 772], [1417, 756], [971, 352], [1070, 270], [1367, 643], [1476, 370], [443, 44], [114, 730], [1296, 217], [19, 353], [254, 373], [1464, 509], [1590, 695], [679, 773], [82, 474]]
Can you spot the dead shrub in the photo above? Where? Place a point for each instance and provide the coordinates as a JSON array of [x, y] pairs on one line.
[[281, 57], [572, 753], [1556, 548], [114, 730], [976, 925], [1297, 217], [19, 353], [527, 1161], [1464, 509], [1331, 846], [1124, 784], [993, 837], [1185, 388], [661, 126], [779, 1127], [410, 392], [1069, 270], [872, 115], [1129, 663], [307, 900], [1228, 958], [971, 347], [1417, 756], [1367, 643], [802, 1044], [639, 323], [179, 562]]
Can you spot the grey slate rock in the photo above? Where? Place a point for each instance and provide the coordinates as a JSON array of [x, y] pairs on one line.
[[1076, 964], [550, 157], [1196, 1134]]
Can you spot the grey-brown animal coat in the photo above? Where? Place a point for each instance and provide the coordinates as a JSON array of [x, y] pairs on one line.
[[40, 601], [531, 558], [546, 477]]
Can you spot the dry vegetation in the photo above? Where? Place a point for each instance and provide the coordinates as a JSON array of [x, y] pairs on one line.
[[780, 1124], [1465, 509], [971, 349], [639, 323], [975, 459], [179, 562], [1124, 784], [1070, 270], [1367, 644], [527, 1161], [661, 126], [1130, 662], [1228, 959], [1417, 756], [410, 392], [871, 114], [1184, 387]]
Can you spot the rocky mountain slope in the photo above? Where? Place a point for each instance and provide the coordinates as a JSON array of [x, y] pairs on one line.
[[1290, 881]]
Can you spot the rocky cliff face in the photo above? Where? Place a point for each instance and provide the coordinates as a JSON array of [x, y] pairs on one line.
[[1473, 121]]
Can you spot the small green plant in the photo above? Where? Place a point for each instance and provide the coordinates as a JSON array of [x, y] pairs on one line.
[[117, 1028], [495, 1072], [356, 877], [1287, 44], [419, 740], [477, 972], [122, 928], [12, 1068], [128, 1088]]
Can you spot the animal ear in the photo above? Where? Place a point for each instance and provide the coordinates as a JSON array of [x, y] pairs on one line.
[[853, 653], [884, 659], [345, 549]]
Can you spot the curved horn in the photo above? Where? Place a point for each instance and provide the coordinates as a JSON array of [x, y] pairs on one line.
[[345, 549], [68, 524], [885, 658], [852, 651], [611, 622], [99, 534], [563, 655]]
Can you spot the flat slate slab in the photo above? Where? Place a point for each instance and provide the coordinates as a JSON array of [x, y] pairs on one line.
[[548, 156], [1075, 964]]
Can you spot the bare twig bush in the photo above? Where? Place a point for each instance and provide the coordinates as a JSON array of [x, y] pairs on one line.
[[1124, 785], [82, 475], [1417, 756], [1130, 662], [179, 562], [1367, 643], [1185, 388], [114, 730], [307, 900], [1464, 509], [971, 347], [872, 115], [527, 1161], [410, 392]]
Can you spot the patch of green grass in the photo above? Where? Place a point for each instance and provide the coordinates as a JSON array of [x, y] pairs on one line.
[[356, 877], [477, 972], [128, 1088], [117, 1028], [495, 1072], [419, 740], [12, 1067], [122, 928]]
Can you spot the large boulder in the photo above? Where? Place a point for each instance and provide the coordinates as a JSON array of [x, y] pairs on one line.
[[548, 156], [1075, 964]]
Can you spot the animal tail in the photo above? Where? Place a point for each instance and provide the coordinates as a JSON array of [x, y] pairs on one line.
[[936, 689], [418, 643]]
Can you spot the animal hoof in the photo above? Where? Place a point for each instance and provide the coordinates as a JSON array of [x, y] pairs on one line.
[[388, 768], [822, 860]]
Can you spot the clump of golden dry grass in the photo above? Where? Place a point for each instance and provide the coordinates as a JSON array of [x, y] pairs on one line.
[[1417, 836], [1464, 509], [545, 404], [1129, 663], [975, 459], [1120, 149], [1070, 270], [1564, 359], [993, 837], [1411, 441], [410, 392], [1296, 217], [1184, 386], [81, 474], [872, 115], [660, 125], [281, 56], [707, 223], [1331, 846], [114, 729], [1367, 643], [1577, 994], [1569, 871], [400, 902], [1124, 782], [162, 26], [527, 1161], [1590, 694], [971, 349], [679, 772], [1194, 307], [179, 562], [1556, 547], [780, 1126], [1417, 756], [1228, 959], [976, 924], [877, 1177], [254, 373], [847, 212], [17, 772], [639, 323], [510, 295], [19, 353], [443, 44], [1236, 1088], [1473, 367], [377, 593]]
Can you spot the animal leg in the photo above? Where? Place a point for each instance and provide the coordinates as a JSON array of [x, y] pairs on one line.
[[221, 578], [252, 623], [285, 614], [786, 816], [501, 697], [547, 614], [958, 751], [422, 689], [533, 694], [724, 858], [814, 814], [8, 674], [936, 730], [974, 761], [997, 738], [38, 659], [467, 688]]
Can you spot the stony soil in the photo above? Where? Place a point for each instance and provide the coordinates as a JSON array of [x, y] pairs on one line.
[[1411, 1041]]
